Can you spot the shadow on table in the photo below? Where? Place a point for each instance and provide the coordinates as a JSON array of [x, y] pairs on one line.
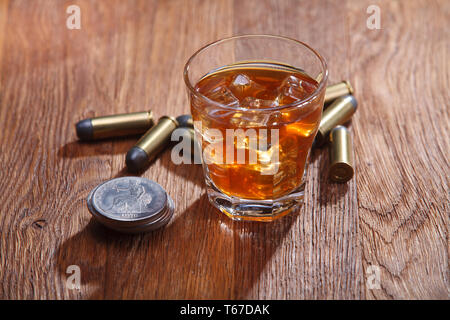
[[113, 146], [189, 171], [328, 191], [200, 254], [78, 148]]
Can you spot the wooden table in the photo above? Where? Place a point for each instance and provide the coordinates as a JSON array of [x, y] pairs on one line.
[[128, 56]]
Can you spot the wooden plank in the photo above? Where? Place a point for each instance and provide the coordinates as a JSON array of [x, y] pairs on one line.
[[126, 57], [402, 145]]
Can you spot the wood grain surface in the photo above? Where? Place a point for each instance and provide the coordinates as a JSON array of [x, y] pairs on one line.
[[128, 56]]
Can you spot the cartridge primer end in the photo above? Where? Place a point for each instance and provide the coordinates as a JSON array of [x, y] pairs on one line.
[[84, 129], [136, 159]]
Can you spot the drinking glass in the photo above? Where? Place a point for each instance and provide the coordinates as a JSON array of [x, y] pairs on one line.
[[256, 102]]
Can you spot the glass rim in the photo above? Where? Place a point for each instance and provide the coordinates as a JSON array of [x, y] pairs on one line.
[[298, 104]]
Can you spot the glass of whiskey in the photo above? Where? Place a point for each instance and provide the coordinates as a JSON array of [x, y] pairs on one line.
[[256, 102]]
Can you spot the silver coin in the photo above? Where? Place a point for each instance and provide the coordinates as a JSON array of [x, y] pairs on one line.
[[130, 204]]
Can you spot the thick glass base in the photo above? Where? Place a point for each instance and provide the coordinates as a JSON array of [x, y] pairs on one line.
[[255, 210]]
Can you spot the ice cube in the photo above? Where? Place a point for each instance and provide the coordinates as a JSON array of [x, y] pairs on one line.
[[292, 89], [249, 119], [287, 177], [241, 80], [268, 161], [223, 95], [217, 113], [267, 95], [242, 86], [302, 129], [275, 119]]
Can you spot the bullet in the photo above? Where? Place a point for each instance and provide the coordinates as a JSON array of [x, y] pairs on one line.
[[341, 155], [151, 143], [339, 112], [337, 90], [114, 125]]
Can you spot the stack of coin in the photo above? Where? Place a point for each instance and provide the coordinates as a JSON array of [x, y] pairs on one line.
[[130, 205]]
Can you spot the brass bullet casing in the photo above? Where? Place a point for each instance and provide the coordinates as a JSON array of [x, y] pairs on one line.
[[339, 112], [337, 90], [150, 144], [341, 155], [114, 125]]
